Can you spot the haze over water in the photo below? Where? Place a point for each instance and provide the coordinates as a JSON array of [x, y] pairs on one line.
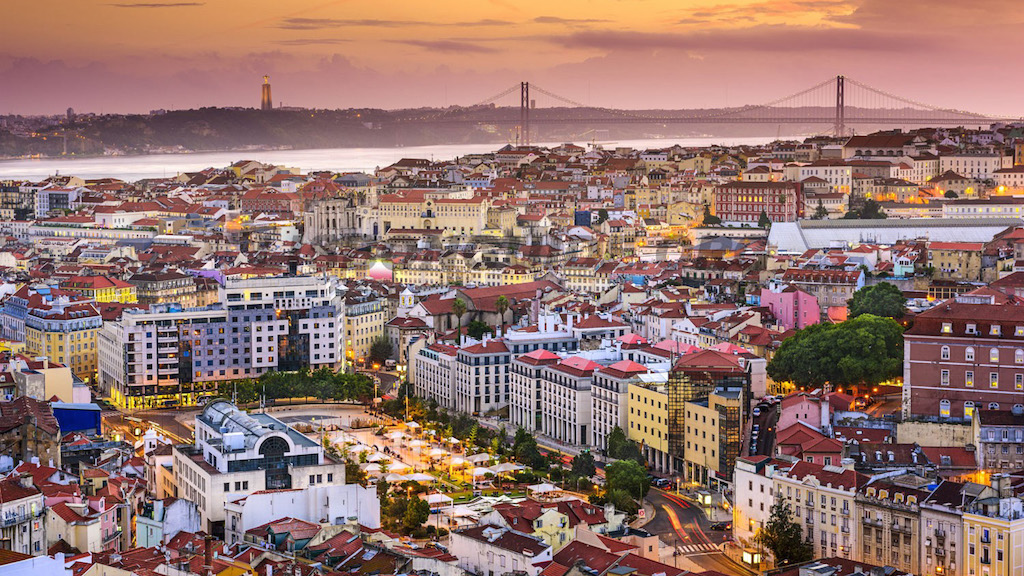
[[131, 168]]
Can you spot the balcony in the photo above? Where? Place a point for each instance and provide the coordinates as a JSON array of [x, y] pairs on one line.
[[845, 529], [845, 511], [809, 520], [940, 534], [905, 529], [871, 522], [940, 552]]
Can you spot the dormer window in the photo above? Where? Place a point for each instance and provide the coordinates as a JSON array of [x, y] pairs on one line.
[[995, 330], [947, 327], [1018, 331], [971, 329]]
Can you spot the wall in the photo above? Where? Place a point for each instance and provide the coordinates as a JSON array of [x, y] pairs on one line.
[[934, 434]]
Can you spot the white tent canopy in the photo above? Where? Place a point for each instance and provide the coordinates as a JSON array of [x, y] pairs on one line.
[[396, 466], [371, 468], [392, 478], [438, 499], [421, 477], [478, 458], [482, 472], [541, 488], [417, 443], [507, 467], [397, 434], [438, 452], [458, 461], [413, 425], [376, 457]]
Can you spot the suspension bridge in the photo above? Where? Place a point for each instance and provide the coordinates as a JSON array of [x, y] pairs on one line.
[[838, 104]]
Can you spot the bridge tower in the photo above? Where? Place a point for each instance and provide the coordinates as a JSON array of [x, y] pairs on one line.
[[840, 106], [524, 113]]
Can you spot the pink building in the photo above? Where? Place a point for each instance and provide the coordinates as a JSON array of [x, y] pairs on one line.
[[805, 408], [793, 308]]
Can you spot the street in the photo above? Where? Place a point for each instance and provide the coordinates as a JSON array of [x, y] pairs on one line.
[[682, 525]]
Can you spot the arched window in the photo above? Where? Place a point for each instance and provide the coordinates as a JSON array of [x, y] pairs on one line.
[[969, 354], [968, 409], [945, 353], [944, 408], [993, 355], [1018, 356], [993, 405]]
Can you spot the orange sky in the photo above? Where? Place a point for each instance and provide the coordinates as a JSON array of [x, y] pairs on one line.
[[137, 55]]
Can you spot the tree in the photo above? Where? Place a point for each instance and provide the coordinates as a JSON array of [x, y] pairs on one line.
[[628, 476], [417, 510], [525, 450], [820, 213], [950, 194], [381, 349], [763, 221], [602, 217], [783, 537], [883, 299], [622, 448], [865, 350], [709, 218], [501, 305], [459, 308], [872, 210], [583, 465], [476, 329]]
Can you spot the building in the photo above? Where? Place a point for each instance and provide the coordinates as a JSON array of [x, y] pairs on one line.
[[828, 287], [364, 322], [746, 201], [102, 289], [999, 438], [496, 550], [565, 402], [482, 382], [713, 429], [891, 524], [22, 527], [160, 520], [964, 354], [165, 288], [993, 533], [525, 400], [236, 454], [433, 375], [754, 494], [169, 355], [29, 430], [610, 398], [648, 420], [956, 260], [793, 308], [65, 332], [823, 500]]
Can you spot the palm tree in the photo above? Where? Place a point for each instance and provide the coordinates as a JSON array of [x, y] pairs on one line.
[[459, 308], [502, 306]]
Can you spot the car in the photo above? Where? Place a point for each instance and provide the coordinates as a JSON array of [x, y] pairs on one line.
[[663, 482], [721, 526]]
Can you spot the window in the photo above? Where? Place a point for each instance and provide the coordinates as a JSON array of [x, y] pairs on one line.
[[993, 379], [993, 355], [944, 408], [945, 378], [969, 378], [972, 328], [969, 354], [1018, 356], [968, 409], [994, 330], [947, 328], [945, 353], [995, 406]]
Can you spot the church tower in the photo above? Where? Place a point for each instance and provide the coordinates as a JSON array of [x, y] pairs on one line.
[[265, 102]]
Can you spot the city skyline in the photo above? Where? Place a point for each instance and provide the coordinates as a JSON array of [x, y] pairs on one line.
[[188, 54]]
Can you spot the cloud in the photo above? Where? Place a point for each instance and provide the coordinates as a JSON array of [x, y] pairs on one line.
[[567, 21], [160, 5], [312, 41], [765, 38], [448, 46], [325, 23]]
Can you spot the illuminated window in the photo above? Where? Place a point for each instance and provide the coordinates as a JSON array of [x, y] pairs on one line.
[[993, 355], [968, 409], [969, 378], [969, 354], [947, 328], [993, 379], [994, 330]]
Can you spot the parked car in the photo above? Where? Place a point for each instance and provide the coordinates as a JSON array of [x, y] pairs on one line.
[[721, 526]]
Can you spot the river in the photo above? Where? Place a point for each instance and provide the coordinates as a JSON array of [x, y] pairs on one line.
[[131, 168]]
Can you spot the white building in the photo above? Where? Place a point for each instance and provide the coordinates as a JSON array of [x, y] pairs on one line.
[[433, 376], [162, 519], [610, 399], [565, 400], [975, 165], [822, 499], [494, 550], [525, 405], [481, 377], [22, 528], [236, 454], [330, 503], [754, 495]]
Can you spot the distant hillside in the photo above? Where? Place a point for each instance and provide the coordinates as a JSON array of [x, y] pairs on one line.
[[236, 129]]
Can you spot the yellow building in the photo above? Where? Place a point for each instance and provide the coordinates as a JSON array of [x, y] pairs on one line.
[[65, 333], [102, 289], [712, 437], [364, 322], [461, 212], [955, 260], [993, 536], [648, 422]]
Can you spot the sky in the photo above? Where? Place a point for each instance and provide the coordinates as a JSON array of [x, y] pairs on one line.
[[122, 56]]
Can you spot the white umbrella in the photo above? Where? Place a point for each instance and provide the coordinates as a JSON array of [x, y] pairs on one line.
[[437, 499], [478, 458], [458, 461], [359, 448], [482, 471], [413, 425], [507, 467], [417, 443], [451, 440], [371, 468], [541, 488], [376, 457], [396, 435], [398, 466], [392, 478], [420, 477], [437, 453]]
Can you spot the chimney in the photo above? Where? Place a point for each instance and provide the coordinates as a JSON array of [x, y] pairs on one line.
[[26, 480], [208, 554], [270, 569]]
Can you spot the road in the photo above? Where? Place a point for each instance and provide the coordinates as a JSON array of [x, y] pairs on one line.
[[681, 524], [388, 381], [885, 406], [766, 422]]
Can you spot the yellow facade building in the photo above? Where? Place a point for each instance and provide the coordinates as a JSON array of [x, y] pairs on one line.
[[648, 422], [712, 437], [102, 289], [65, 333]]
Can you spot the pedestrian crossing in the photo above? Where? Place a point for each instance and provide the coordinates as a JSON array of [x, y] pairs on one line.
[[697, 548]]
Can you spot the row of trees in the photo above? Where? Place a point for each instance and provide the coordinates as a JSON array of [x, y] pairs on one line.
[[323, 384]]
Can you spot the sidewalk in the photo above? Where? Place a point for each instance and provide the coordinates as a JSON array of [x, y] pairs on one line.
[[649, 512]]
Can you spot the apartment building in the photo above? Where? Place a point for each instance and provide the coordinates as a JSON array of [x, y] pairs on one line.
[[610, 399], [170, 355], [999, 438], [482, 382], [364, 322], [956, 260], [890, 525], [824, 503], [22, 512], [102, 289], [829, 287], [745, 201], [435, 374], [648, 420], [65, 332], [165, 287], [713, 429], [993, 535], [754, 494], [525, 401], [565, 400]]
